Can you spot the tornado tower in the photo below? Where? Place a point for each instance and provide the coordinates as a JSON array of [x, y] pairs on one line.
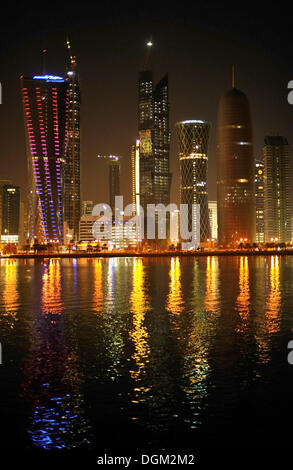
[[235, 162]]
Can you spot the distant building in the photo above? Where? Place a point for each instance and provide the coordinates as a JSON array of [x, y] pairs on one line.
[[122, 235], [193, 137], [10, 209], [213, 217], [86, 228], [114, 162], [135, 177], [259, 202], [87, 207], [235, 165], [277, 189]]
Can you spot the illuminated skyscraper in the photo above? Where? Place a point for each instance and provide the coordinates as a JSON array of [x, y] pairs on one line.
[[45, 103], [259, 202], [10, 205], [277, 182], [235, 165], [213, 216], [154, 137], [135, 179], [193, 138], [72, 203]]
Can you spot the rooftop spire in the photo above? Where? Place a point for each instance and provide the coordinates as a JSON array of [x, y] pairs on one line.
[[44, 52], [72, 58]]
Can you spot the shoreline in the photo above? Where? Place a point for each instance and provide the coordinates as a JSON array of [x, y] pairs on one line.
[[242, 252]]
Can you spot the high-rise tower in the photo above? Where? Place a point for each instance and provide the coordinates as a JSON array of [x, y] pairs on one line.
[[45, 103], [154, 136], [193, 137], [114, 162], [72, 203], [235, 167], [9, 212], [277, 184], [259, 202]]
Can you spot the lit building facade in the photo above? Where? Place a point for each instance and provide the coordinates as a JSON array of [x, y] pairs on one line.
[[213, 217], [72, 203], [277, 189], [154, 137], [10, 212], [235, 168], [46, 106], [87, 207], [193, 139], [121, 234], [135, 177], [259, 202]]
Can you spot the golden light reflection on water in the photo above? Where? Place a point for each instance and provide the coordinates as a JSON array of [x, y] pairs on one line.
[[51, 301], [175, 301], [98, 286], [243, 299], [212, 284], [10, 292], [274, 299], [139, 334]]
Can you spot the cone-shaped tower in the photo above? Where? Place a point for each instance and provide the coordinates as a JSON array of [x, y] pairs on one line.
[[235, 162]]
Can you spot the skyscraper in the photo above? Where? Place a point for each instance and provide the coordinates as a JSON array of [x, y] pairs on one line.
[[277, 194], [235, 166], [193, 138], [46, 106], [72, 203], [10, 205], [213, 216], [135, 178], [154, 137], [259, 202]]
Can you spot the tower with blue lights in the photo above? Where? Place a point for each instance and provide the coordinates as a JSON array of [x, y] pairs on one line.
[[46, 106]]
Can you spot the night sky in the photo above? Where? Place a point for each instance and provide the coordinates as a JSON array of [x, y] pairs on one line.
[[196, 45]]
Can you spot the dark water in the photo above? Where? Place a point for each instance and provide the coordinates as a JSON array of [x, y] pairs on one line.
[[128, 356]]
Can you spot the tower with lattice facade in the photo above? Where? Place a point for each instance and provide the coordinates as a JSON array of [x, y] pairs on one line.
[[193, 137]]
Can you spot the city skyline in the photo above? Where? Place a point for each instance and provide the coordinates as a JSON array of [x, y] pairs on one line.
[[109, 123]]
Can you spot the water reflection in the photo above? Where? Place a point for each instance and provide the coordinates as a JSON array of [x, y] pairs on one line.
[[53, 382], [154, 342], [197, 336], [274, 299], [139, 334], [243, 299], [98, 286], [175, 302], [212, 284], [9, 277], [51, 288]]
